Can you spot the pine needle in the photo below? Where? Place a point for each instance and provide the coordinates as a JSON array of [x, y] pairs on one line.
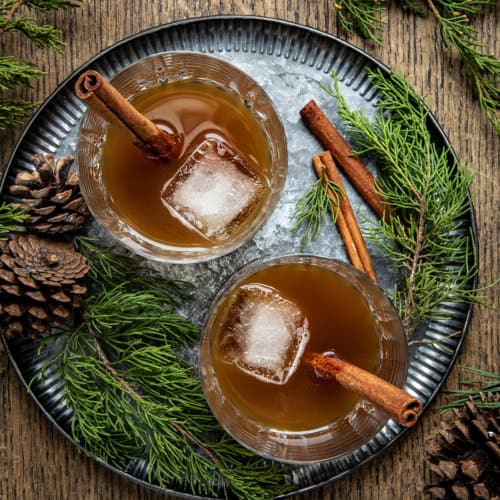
[[42, 35], [15, 71], [482, 68], [412, 6], [146, 403], [312, 208], [109, 269], [131, 396], [361, 15], [11, 219], [485, 383], [437, 344], [48, 5], [428, 190], [13, 112]]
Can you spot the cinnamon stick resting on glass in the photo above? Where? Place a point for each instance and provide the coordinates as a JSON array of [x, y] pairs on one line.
[[360, 177], [397, 403], [98, 93], [346, 220]]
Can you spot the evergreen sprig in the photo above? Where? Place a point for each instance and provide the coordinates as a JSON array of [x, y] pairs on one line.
[[412, 6], [42, 35], [48, 5], [133, 398], [14, 111], [485, 383], [11, 219], [312, 208], [482, 67], [16, 72], [362, 16], [428, 190], [107, 268]]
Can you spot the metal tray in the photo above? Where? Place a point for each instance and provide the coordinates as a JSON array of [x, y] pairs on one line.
[[290, 61]]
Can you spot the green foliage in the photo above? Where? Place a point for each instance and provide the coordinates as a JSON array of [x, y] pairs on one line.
[[361, 15], [13, 112], [42, 35], [11, 219], [48, 5], [460, 7], [428, 191], [310, 210], [412, 6], [131, 395], [15, 72], [482, 68], [478, 389], [107, 268]]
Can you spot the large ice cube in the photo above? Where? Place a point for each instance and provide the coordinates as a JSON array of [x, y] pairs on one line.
[[265, 334], [214, 192]]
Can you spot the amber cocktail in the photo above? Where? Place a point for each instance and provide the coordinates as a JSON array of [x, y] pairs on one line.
[[265, 322], [225, 180]]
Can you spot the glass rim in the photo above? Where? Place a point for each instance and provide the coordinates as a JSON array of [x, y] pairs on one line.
[[133, 239], [283, 435]]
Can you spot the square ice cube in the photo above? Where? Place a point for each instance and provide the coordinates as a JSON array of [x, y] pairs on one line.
[[214, 192], [265, 334]]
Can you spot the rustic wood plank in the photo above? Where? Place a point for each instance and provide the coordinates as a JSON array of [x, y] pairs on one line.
[[36, 462]]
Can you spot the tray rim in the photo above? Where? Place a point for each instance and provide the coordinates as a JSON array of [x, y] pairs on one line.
[[438, 133]]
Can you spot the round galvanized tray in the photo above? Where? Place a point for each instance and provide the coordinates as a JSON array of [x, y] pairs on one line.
[[290, 62]]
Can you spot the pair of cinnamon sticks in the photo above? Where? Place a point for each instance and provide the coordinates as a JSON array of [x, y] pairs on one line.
[[360, 177], [396, 402]]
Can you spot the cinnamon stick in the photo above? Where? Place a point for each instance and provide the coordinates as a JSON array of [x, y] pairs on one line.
[[348, 213], [98, 93], [341, 222], [360, 177], [397, 403]]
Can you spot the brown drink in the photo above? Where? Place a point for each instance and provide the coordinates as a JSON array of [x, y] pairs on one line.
[[311, 298], [141, 188]]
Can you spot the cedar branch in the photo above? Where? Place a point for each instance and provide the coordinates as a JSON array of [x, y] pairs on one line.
[[130, 390], [433, 7], [409, 312], [11, 14], [107, 364]]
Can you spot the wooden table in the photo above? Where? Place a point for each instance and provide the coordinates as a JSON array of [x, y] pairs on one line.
[[36, 462]]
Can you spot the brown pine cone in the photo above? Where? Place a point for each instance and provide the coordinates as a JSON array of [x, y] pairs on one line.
[[52, 194], [40, 284], [464, 455]]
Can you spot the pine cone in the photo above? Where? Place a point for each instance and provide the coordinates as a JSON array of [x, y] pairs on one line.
[[465, 454], [40, 284], [52, 194]]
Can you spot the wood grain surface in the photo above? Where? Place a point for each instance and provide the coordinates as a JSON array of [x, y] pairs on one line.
[[36, 462]]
